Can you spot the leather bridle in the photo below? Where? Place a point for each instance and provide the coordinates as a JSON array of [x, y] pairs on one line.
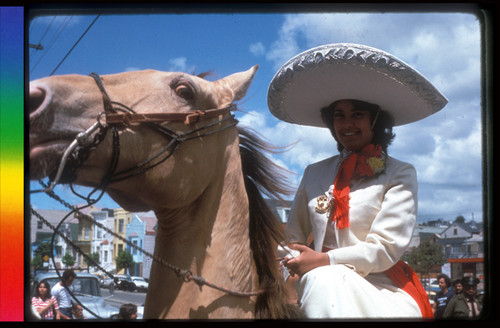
[[117, 115]]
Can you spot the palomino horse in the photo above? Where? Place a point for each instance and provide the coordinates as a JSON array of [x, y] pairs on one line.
[[153, 142]]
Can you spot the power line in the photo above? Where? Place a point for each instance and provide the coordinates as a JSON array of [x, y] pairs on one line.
[[54, 38], [81, 37], [46, 30]]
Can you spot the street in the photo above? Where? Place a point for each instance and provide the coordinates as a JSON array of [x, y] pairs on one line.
[[120, 297]]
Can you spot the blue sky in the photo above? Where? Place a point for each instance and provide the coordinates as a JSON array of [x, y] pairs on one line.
[[445, 148]]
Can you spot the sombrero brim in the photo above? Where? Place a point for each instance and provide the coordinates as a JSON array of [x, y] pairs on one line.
[[319, 76]]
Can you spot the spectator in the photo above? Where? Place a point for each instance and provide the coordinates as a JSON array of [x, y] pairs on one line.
[[466, 305], [44, 303], [78, 312], [457, 286], [443, 296], [62, 295], [128, 312]]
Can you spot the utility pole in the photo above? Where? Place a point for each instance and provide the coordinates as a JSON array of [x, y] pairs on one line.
[[36, 46]]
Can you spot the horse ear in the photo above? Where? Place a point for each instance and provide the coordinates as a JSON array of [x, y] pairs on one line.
[[235, 86]]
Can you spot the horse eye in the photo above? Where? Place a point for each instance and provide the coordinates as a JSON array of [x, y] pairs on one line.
[[184, 91]]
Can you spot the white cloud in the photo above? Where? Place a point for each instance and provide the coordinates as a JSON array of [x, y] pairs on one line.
[[453, 161], [257, 49], [132, 69], [180, 64]]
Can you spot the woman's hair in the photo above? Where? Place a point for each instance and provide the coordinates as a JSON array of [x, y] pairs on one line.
[[382, 130], [37, 293], [126, 310]]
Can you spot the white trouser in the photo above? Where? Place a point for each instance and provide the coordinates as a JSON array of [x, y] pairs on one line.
[[338, 292]]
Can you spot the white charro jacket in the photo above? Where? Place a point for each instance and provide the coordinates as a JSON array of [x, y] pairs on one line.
[[383, 211]]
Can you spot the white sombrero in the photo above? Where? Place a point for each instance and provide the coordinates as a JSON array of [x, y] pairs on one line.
[[319, 76]]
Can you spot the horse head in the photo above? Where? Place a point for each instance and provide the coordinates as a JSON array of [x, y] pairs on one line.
[[63, 106]]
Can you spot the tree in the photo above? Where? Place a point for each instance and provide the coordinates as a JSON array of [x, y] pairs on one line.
[[460, 219], [124, 260], [423, 257], [94, 257], [37, 262], [68, 260], [43, 249]]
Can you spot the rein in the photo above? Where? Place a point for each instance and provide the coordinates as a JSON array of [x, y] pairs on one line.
[[116, 114]]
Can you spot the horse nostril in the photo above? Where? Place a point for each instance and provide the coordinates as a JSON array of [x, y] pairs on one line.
[[37, 96]]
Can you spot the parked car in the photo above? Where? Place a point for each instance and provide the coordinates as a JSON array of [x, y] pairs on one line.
[[140, 283], [125, 283], [106, 282], [86, 289], [435, 286], [431, 294]]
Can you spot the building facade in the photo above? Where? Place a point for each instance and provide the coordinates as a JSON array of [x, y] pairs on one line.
[[463, 246], [40, 232], [136, 231]]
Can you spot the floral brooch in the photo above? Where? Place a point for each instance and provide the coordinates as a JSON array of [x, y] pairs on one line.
[[325, 202], [370, 165]]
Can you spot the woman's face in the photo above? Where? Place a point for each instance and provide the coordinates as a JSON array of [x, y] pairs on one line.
[[42, 289], [352, 126]]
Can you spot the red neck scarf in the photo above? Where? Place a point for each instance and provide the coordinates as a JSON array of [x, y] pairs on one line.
[[366, 162]]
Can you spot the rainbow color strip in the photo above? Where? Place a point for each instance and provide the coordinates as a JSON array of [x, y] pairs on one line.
[[11, 164]]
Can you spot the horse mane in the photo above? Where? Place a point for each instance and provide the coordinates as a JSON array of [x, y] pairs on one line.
[[262, 176]]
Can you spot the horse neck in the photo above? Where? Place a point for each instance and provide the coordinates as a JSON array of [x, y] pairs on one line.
[[211, 238]]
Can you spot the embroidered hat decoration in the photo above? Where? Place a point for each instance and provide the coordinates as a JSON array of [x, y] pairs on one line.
[[319, 76]]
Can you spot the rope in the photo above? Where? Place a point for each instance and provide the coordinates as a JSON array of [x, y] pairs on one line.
[[186, 275]]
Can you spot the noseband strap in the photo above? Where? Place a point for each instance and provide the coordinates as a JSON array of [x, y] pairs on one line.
[[130, 117], [186, 118]]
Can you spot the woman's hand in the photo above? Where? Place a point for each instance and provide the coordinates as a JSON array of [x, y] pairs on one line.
[[307, 260]]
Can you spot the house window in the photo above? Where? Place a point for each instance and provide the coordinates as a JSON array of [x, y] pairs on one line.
[[455, 232], [120, 226], [134, 252], [105, 256], [87, 232], [39, 224]]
